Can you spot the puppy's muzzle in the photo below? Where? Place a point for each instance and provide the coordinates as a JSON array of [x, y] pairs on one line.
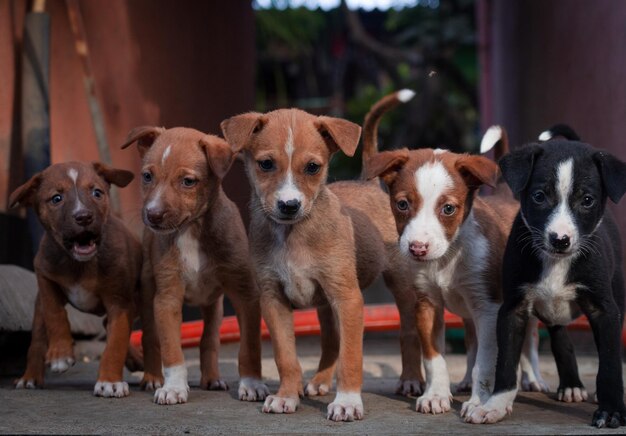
[[560, 244], [155, 216], [289, 208], [418, 249], [83, 217]]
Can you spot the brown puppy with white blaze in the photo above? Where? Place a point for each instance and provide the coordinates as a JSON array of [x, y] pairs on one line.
[[313, 245], [195, 251], [455, 240], [87, 257]]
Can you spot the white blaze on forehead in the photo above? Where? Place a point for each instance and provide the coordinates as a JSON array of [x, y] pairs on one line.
[[432, 181], [73, 174], [561, 221], [288, 189], [166, 153]]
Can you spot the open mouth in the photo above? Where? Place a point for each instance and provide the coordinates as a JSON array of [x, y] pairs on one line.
[[84, 246]]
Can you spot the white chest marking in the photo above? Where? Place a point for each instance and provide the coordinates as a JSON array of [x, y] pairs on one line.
[[191, 256], [166, 154], [82, 299]]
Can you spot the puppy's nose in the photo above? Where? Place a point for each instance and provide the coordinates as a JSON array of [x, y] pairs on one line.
[[155, 216], [289, 207], [418, 249], [83, 217], [559, 243]]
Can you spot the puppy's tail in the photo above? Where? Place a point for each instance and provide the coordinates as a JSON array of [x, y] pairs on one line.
[[372, 119], [562, 130], [497, 139]]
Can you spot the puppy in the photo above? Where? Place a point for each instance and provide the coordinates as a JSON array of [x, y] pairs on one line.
[[455, 241], [87, 257], [314, 244], [563, 258], [195, 251]]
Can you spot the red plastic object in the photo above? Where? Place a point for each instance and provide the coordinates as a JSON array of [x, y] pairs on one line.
[[377, 318]]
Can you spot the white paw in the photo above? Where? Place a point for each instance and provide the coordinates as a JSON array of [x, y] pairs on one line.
[[171, 395], [26, 384], [496, 408], [62, 365], [313, 389], [346, 407], [434, 402], [572, 395], [408, 387], [470, 405], [276, 404], [252, 389], [111, 389]]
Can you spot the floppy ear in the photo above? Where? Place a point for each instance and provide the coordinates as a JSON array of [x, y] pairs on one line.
[[145, 137], [477, 171], [238, 129], [517, 166], [24, 194], [613, 172], [218, 153], [385, 165], [339, 134], [113, 176]]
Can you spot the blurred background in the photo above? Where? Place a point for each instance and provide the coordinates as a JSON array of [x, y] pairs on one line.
[[77, 75]]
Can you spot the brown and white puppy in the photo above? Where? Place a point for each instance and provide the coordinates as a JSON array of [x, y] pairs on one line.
[[455, 240], [195, 251], [87, 257], [313, 244]]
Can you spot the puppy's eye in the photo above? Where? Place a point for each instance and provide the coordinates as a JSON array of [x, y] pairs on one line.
[[402, 205], [97, 193], [56, 199], [448, 209], [539, 197], [266, 165], [588, 201], [312, 168], [188, 182], [147, 177]]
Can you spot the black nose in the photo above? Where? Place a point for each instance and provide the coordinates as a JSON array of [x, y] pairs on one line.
[[289, 207], [83, 217], [155, 216], [560, 244]]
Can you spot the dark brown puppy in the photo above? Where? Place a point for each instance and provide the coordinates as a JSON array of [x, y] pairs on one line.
[[87, 257]]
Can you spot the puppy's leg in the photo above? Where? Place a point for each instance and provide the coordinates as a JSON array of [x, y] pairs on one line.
[[210, 345], [153, 374], [529, 362], [322, 381], [247, 307], [279, 318], [483, 373], [430, 325], [471, 347], [35, 364], [110, 383], [570, 387], [60, 354], [348, 405], [512, 320], [168, 304]]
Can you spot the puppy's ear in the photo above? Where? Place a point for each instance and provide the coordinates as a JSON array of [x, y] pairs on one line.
[[145, 137], [613, 172], [218, 153], [385, 165], [477, 171], [339, 134], [238, 129], [25, 195], [113, 176], [517, 166]]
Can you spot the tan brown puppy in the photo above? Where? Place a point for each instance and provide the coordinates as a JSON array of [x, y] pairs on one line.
[[88, 258], [195, 251], [313, 245]]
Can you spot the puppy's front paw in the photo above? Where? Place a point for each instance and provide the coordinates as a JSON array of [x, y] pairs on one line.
[[171, 395], [464, 386], [409, 387], [532, 383], [602, 418], [111, 389], [252, 389], [572, 395], [469, 406], [214, 385], [494, 410], [151, 382], [434, 402], [62, 364], [276, 404], [313, 388], [346, 407], [28, 383]]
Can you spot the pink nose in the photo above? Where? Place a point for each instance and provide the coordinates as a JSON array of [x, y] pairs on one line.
[[418, 249]]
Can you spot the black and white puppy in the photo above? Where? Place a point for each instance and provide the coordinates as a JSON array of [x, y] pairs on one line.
[[563, 258]]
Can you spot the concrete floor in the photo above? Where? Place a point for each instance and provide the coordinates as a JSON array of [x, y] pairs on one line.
[[67, 406]]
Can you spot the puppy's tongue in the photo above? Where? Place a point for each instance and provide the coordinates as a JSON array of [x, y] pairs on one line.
[[85, 250]]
